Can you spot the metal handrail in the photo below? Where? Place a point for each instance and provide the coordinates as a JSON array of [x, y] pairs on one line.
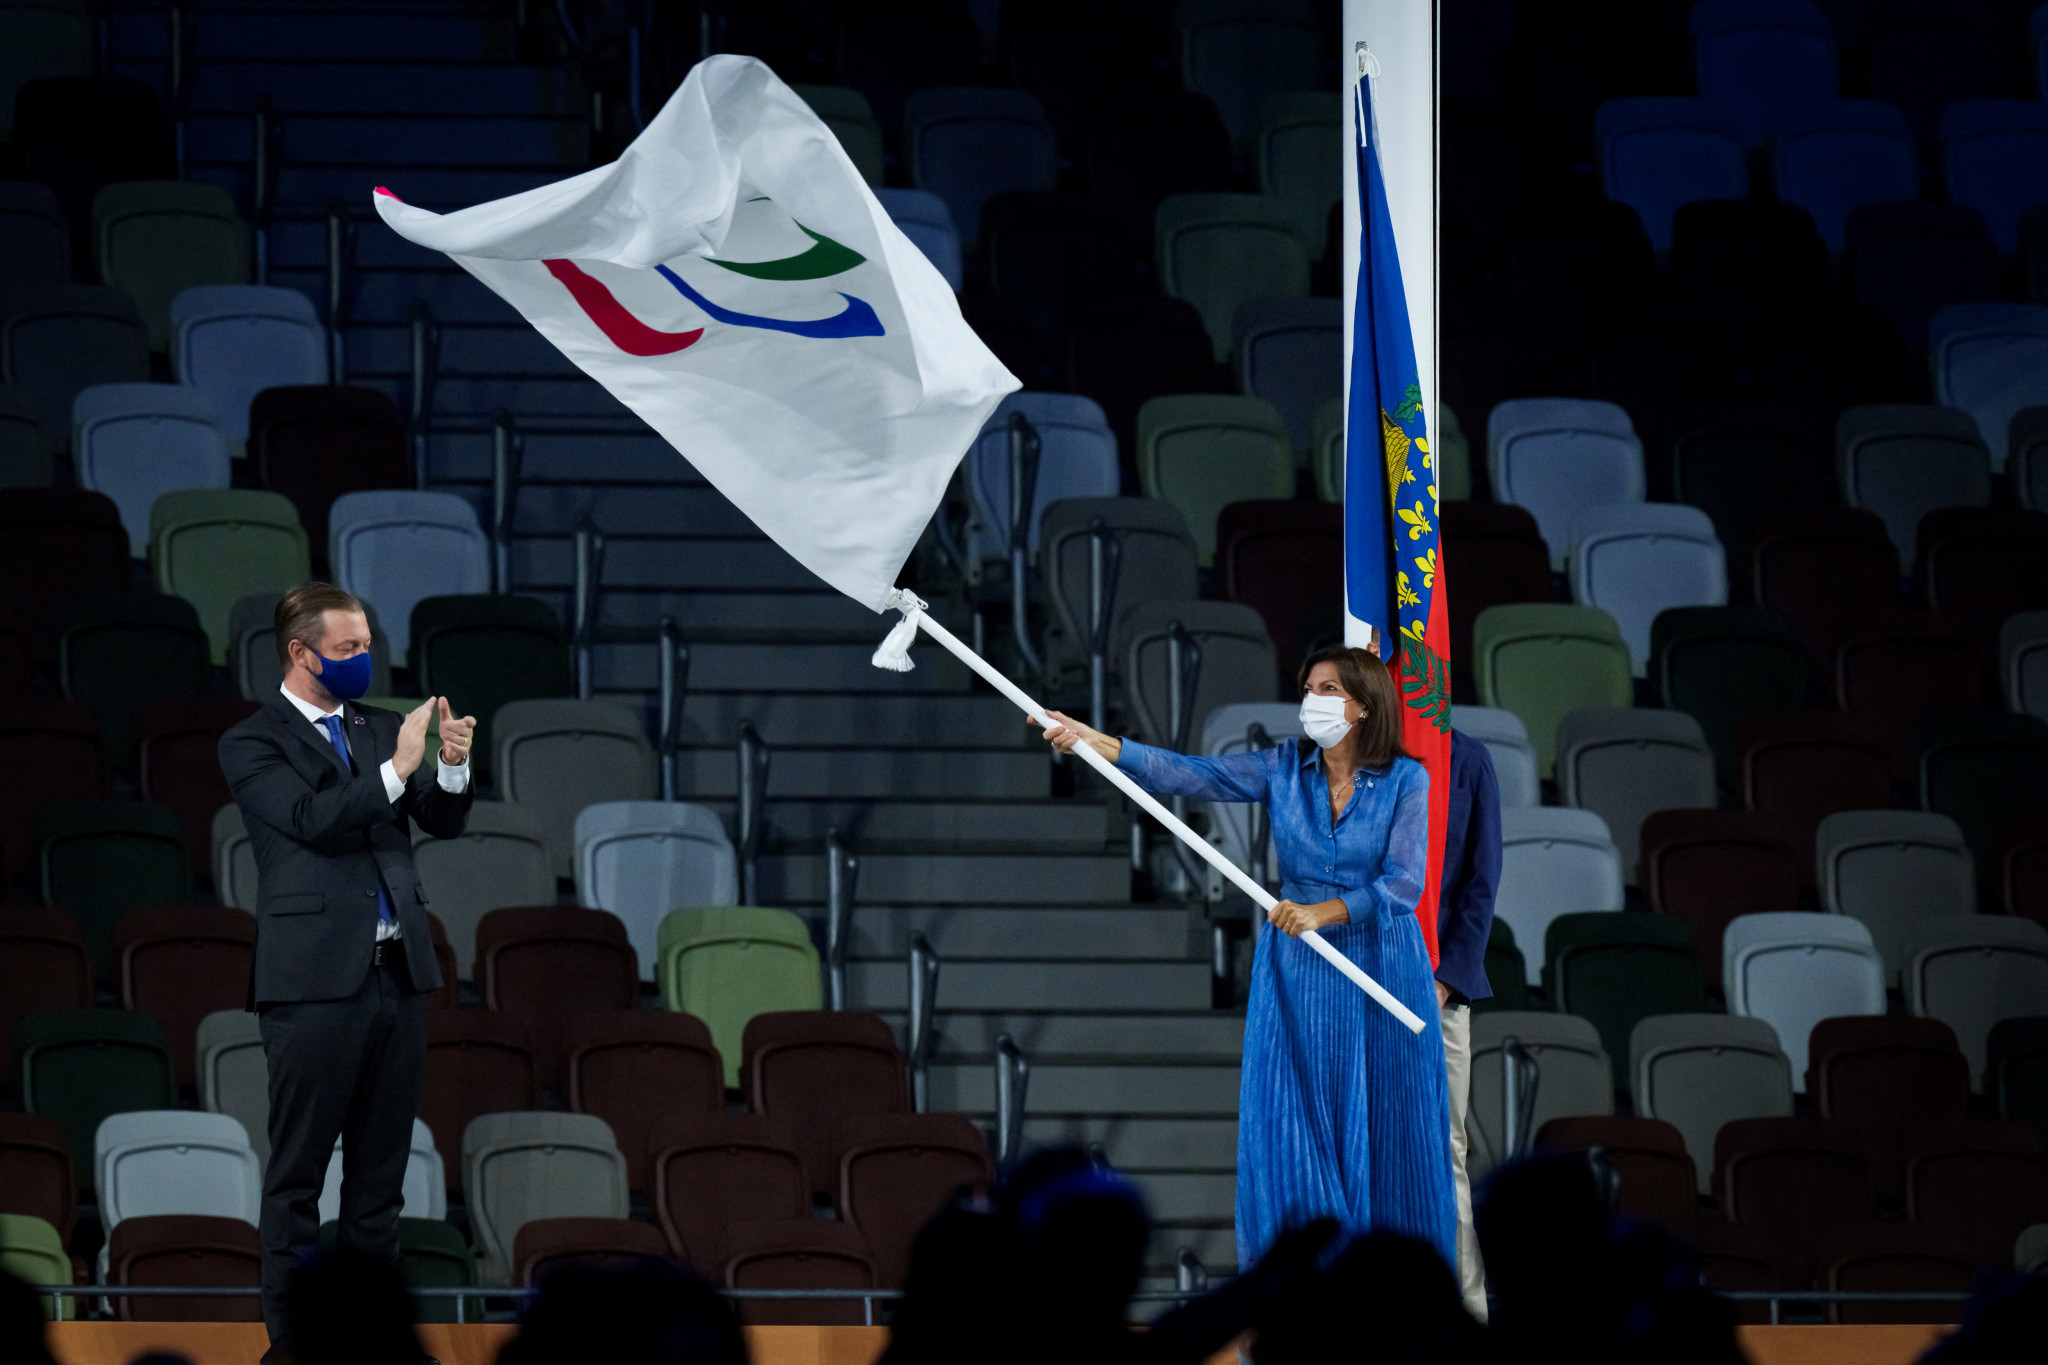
[[1190, 1276], [1258, 823], [672, 660], [753, 797], [265, 133], [589, 581], [924, 998], [178, 42], [341, 239], [1520, 1075], [508, 448], [1183, 681], [1013, 1082], [1105, 565], [425, 363], [1024, 454], [842, 872]]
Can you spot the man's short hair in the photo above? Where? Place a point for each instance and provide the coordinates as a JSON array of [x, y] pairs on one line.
[[302, 615]]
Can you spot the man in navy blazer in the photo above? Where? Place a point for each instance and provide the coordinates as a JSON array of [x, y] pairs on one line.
[[1464, 919]]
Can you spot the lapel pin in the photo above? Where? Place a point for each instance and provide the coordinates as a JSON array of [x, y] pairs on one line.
[[358, 720]]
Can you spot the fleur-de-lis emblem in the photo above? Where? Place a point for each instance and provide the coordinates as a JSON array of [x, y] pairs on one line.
[[1426, 563], [1417, 519], [1404, 596]]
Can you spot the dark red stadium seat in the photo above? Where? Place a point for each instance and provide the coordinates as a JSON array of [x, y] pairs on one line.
[[14, 655], [1834, 570], [78, 133], [714, 1170], [190, 1251], [45, 964], [2018, 868], [1150, 144], [1744, 1260], [814, 1070], [1285, 559], [1892, 677], [1793, 1180], [634, 1068], [56, 543], [546, 964], [478, 1062], [99, 638], [896, 1171], [177, 762], [1883, 1076], [178, 964], [1154, 347], [1982, 1181], [50, 751], [1740, 462], [1054, 260], [1984, 770], [1893, 1258], [315, 442], [801, 1253], [1978, 565], [1799, 767], [545, 1244], [1648, 1157], [1707, 866], [1501, 558], [36, 1174], [2016, 1072], [449, 996]]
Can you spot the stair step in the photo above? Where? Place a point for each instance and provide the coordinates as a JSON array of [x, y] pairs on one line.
[[940, 878], [391, 87], [304, 32], [728, 614], [302, 186], [969, 1037], [470, 351], [1050, 825], [1139, 1143], [847, 774], [1041, 933], [668, 510], [790, 666], [540, 563], [1125, 987], [1189, 1197], [1087, 1089], [384, 295], [898, 721], [622, 452], [1215, 1246], [394, 142]]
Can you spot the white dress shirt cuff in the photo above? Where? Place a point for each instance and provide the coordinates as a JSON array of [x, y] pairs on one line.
[[454, 777], [393, 787]]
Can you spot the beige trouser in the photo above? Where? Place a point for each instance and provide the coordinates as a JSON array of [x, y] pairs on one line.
[[1458, 1069]]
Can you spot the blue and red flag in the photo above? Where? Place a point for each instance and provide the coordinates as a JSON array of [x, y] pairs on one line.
[[1393, 563]]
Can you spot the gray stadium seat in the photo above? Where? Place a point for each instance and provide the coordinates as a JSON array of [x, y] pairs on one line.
[[1904, 460], [1890, 869], [1554, 861], [1991, 361], [500, 859], [522, 1166], [642, 859], [557, 755], [1507, 743], [1626, 764], [1237, 662], [233, 341], [234, 1078], [393, 547], [1076, 459], [1793, 969], [425, 1190], [1574, 1077], [1557, 455], [167, 1161], [1699, 1071], [1290, 352], [234, 861], [1636, 559], [1227, 730], [136, 441], [1156, 564], [56, 339], [1971, 971], [2023, 662]]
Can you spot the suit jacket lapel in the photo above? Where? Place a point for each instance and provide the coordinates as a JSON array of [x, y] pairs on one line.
[[299, 728], [362, 743]]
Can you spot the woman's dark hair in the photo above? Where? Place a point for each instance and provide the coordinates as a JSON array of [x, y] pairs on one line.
[[1366, 681]]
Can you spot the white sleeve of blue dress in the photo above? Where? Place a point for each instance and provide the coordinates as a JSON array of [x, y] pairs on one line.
[[1233, 777], [1399, 886]]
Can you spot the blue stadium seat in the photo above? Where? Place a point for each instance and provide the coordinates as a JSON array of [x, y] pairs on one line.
[[1077, 458], [236, 340], [1926, 55], [1995, 154], [965, 143], [135, 441], [925, 220], [394, 547], [1990, 360], [1832, 156], [1757, 59], [1290, 352], [1658, 152], [1557, 455]]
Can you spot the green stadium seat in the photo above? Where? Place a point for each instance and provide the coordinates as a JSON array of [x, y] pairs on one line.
[[1298, 154], [25, 449], [1983, 769], [1326, 449], [852, 120], [481, 651], [1506, 972], [39, 40], [215, 546], [1218, 250], [100, 859], [1201, 452], [79, 1066], [431, 1255], [101, 637], [726, 964], [1543, 659], [1721, 664], [153, 238], [1620, 969], [32, 1252]]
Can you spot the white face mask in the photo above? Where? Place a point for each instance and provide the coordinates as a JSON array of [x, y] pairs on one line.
[[1322, 720]]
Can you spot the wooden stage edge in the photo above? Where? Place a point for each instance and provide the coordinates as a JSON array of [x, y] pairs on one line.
[[243, 1343]]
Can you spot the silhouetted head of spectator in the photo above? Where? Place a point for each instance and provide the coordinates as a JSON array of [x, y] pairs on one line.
[[1081, 1250], [959, 1289], [1385, 1297], [645, 1314], [21, 1324], [344, 1308], [161, 1358], [2007, 1320]]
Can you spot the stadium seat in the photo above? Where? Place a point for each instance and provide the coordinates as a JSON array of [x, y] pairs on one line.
[[1833, 570], [396, 548], [966, 143], [1507, 744], [2023, 663], [252, 648], [1234, 658], [602, 1244], [488, 650], [715, 1169], [1054, 260], [1501, 559], [52, 752], [1237, 728], [1739, 462], [1885, 1077], [1616, 970], [176, 764], [1971, 972], [924, 218], [1705, 867], [189, 1251], [25, 448], [799, 1254], [641, 860], [99, 638], [1143, 146], [1285, 559], [77, 133], [1915, 260], [500, 859], [1700, 1071], [33, 1252], [635, 1068], [234, 1078], [1799, 767], [214, 547], [234, 860], [1076, 459], [2016, 1071], [1988, 361], [57, 339], [478, 1062], [45, 964], [101, 858], [1071, 57], [546, 964], [1793, 969], [1721, 665], [1219, 251], [1982, 1182], [1297, 156], [1992, 152], [1833, 157], [852, 120], [558, 757], [1869, 1258], [816, 1070], [37, 1179], [1655, 1174], [234, 341], [1202, 452], [1657, 153], [1507, 973], [896, 1171], [1753, 270], [1153, 348], [1242, 53], [1554, 861], [1154, 560], [1983, 769], [1746, 1259], [1904, 460], [35, 241], [431, 1255], [1290, 352], [1794, 1179], [1576, 1080], [136, 441], [2026, 466], [153, 239], [78, 1066], [523, 1166], [1892, 678], [1625, 764], [1542, 660], [424, 1191], [1759, 60], [726, 964], [1557, 456], [147, 1163], [1889, 869], [315, 443], [178, 964]]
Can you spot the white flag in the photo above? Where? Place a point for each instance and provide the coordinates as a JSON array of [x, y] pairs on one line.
[[731, 279]]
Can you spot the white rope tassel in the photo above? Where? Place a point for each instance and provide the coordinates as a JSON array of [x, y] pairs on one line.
[[894, 651]]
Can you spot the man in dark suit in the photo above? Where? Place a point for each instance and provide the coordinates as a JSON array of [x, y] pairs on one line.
[[344, 957], [1464, 921]]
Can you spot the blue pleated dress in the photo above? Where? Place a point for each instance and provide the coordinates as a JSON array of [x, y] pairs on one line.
[[1342, 1112]]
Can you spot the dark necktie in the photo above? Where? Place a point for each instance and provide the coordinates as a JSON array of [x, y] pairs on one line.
[[332, 725]]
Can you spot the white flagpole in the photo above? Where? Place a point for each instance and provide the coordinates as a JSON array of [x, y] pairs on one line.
[[913, 613]]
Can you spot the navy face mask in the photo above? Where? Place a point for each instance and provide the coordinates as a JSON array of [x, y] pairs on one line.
[[345, 679]]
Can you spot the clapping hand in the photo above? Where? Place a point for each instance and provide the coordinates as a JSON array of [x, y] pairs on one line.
[[456, 735]]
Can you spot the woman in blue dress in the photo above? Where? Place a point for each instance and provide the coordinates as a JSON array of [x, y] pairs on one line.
[[1342, 1112]]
